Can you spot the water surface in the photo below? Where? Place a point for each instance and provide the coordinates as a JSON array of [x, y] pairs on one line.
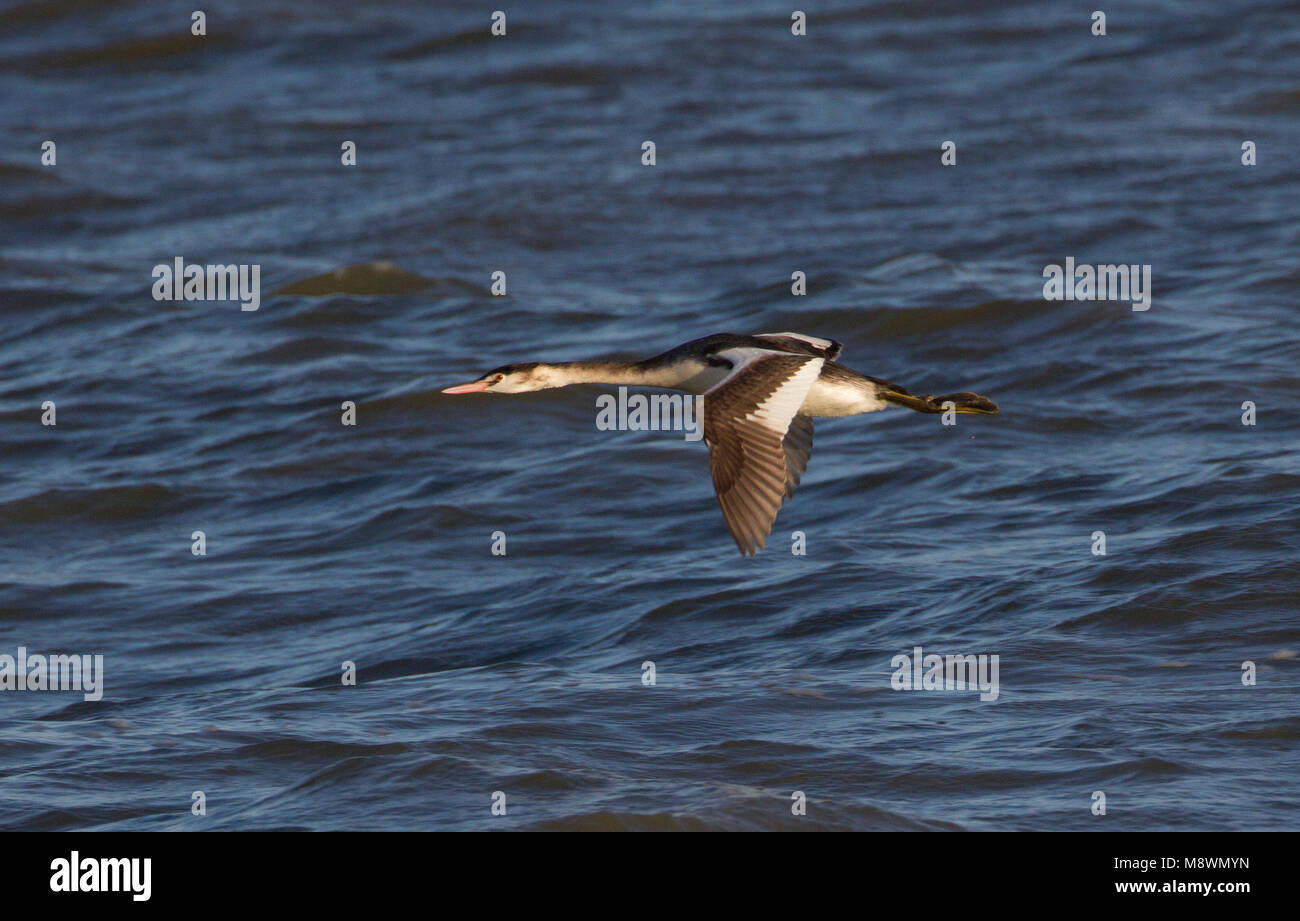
[[372, 544]]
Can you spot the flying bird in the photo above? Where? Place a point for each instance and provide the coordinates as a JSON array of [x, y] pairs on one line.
[[760, 396]]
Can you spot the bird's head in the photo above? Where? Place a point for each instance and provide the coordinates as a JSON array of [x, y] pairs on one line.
[[520, 378]]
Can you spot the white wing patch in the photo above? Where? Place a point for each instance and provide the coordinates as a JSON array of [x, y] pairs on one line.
[[777, 410], [811, 340]]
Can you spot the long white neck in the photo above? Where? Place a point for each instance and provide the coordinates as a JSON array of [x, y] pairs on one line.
[[627, 373]]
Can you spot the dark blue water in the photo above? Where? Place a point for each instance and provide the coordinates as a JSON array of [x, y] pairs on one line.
[[522, 673]]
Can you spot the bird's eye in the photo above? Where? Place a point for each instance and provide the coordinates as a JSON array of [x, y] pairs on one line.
[[499, 378]]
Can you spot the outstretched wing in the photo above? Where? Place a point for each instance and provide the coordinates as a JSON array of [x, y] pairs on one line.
[[757, 449]]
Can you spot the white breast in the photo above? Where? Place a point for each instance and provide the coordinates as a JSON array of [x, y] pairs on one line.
[[828, 398]]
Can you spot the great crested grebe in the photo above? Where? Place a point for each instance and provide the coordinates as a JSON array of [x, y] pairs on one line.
[[760, 394]]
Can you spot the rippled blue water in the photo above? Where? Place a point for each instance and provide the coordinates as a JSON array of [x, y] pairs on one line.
[[522, 674]]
